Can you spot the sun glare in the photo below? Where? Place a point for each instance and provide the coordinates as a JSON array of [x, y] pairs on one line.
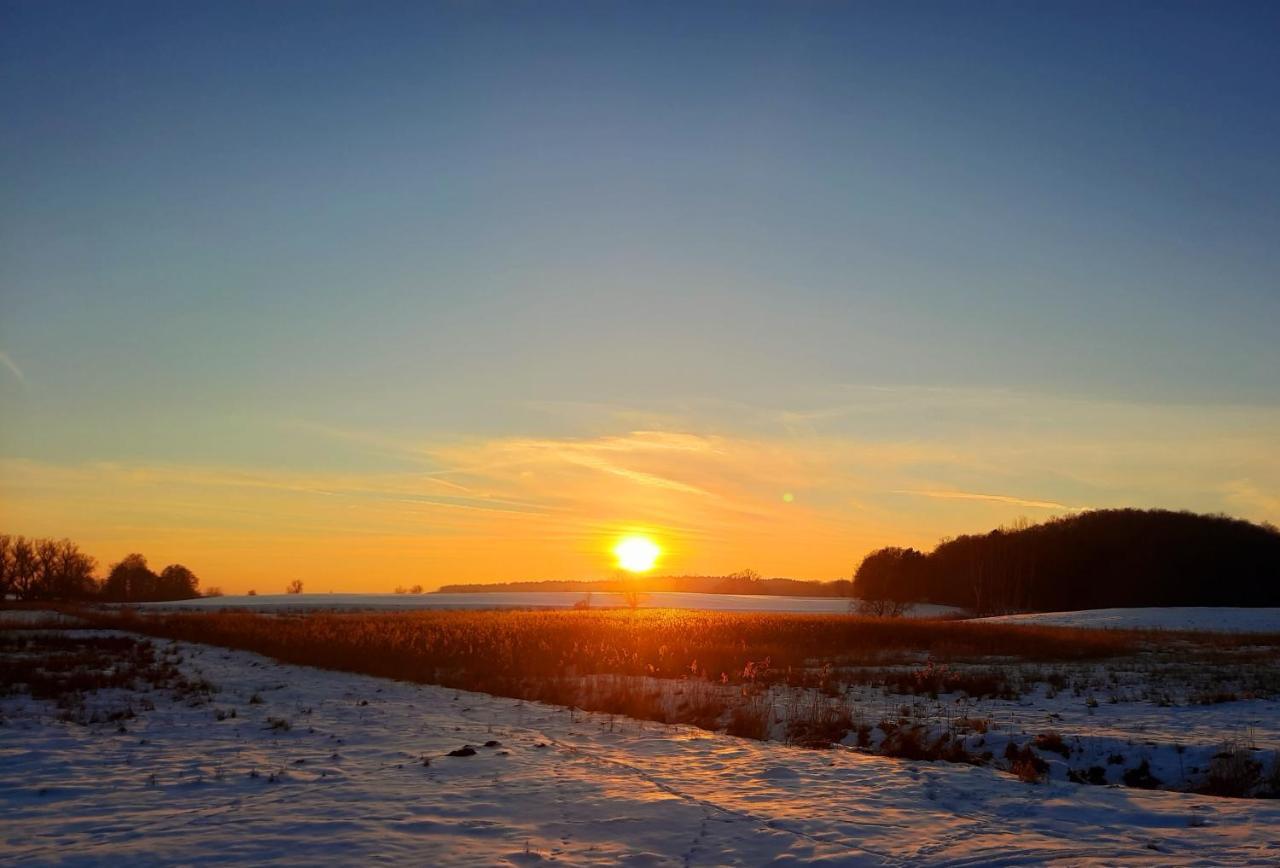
[[636, 554]]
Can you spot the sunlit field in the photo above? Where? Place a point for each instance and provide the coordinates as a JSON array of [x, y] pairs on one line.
[[919, 689], [498, 651]]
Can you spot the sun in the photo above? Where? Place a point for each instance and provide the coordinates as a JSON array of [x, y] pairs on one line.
[[636, 554]]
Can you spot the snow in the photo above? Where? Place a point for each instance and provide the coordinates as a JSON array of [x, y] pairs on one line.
[[1220, 619], [346, 784], [35, 617], [534, 600]]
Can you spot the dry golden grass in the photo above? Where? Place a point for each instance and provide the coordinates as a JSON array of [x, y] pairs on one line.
[[501, 652]]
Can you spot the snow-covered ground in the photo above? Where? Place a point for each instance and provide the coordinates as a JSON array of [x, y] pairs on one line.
[[533, 600], [35, 617], [1221, 618], [346, 783]]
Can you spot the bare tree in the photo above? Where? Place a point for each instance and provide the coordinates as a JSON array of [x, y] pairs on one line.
[[72, 572], [45, 569], [23, 563], [6, 564], [295, 587], [883, 608]]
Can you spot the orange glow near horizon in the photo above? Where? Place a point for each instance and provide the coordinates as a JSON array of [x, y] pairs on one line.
[[366, 513]]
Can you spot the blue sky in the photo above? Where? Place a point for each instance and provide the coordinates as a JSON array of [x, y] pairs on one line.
[[341, 238]]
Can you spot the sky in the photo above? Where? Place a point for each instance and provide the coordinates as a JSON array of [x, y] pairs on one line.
[[377, 294]]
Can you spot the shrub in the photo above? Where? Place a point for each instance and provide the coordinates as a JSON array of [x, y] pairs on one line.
[[751, 719], [1024, 763], [1052, 741], [1095, 775], [1141, 777], [980, 725], [818, 723], [1232, 772], [905, 742]]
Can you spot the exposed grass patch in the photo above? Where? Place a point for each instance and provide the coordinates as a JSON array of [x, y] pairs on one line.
[[67, 667], [490, 650], [1024, 763], [1052, 742], [1233, 772]]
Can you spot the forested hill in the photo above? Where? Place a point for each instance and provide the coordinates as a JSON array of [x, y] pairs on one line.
[[1099, 559]]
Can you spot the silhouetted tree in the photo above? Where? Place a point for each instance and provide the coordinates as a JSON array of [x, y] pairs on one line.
[[130, 581], [294, 587], [889, 580], [176, 582], [6, 565], [45, 569], [68, 571], [1104, 558], [24, 567]]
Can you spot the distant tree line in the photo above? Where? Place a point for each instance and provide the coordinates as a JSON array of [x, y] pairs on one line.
[[742, 582], [48, 569], [1099, 559]]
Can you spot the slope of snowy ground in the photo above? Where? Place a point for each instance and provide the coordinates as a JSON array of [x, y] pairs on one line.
[[534, 600], [35, 618], [346, 783], [1220, 618]]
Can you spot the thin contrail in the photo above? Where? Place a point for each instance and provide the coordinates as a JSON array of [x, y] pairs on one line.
[[998, 498], [13, 367]]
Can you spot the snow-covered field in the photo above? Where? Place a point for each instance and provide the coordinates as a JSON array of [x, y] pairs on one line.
[[532, 600], [35, 617], [349, 782], [1222, 618]]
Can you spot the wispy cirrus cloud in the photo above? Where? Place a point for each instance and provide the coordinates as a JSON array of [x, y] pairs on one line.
[[994, 498], [12, 366], [804, 494]]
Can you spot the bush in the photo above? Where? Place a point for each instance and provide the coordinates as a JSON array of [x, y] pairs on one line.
[[1141, 777], [1052, 741], [1095, 775], [818, 723], [1233, 772], [1024, 763], [751, 719]]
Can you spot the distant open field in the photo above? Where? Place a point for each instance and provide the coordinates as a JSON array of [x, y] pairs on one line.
[[1214, 618], [533, 600]]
